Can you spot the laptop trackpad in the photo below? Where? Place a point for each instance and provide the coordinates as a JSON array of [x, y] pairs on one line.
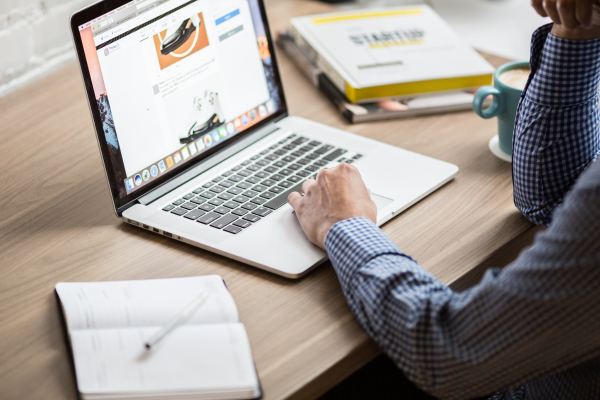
[[380, 201]]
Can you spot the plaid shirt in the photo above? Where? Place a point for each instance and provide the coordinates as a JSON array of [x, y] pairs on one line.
[[531, 330], [557, 130]]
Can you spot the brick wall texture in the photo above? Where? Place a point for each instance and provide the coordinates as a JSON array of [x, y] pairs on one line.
[[34, 39]]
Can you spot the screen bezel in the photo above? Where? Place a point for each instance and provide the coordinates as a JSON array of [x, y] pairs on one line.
[[122, 203]]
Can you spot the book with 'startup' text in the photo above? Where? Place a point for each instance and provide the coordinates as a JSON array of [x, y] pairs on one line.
[[405, 107], [389, 53], [108, 323]]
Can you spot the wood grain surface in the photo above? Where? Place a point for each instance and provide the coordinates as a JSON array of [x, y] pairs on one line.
[[57, 224]]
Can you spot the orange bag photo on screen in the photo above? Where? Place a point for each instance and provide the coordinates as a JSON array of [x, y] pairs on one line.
[[181, 40]]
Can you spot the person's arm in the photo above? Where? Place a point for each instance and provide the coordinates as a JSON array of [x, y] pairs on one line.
[[538, 316], [557, 131]]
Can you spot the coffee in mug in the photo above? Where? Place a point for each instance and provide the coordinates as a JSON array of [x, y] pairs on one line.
[[509, 82], [515, 78]]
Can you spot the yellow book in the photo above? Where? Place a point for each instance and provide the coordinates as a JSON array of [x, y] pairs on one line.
[[390, 53]]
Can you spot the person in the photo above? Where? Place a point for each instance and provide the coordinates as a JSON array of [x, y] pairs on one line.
[[531, 330]]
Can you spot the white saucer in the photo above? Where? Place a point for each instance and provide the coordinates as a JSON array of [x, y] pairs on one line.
[[495, 149]]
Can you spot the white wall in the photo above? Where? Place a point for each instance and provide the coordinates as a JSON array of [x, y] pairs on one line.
[[34, 39]]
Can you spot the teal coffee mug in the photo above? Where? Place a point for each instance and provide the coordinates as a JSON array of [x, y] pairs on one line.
[[504, 104]]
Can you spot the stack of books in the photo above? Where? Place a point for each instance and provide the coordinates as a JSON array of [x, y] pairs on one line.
[[386, 63]]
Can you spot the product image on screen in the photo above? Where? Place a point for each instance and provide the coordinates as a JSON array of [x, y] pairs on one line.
[[181, 40], [174, 79], [206, 116], [174, 40]]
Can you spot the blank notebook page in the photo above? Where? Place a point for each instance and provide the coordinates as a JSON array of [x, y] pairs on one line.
[[94, 305], [192, 358]]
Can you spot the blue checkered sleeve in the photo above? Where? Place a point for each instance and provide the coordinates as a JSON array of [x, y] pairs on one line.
[[556, 132], [536, 321]]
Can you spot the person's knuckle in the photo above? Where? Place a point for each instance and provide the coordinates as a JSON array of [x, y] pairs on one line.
[[565, 5], [293, 198], [322, 180], [326, 173], [309, 183], [345, 167], [351, 170]]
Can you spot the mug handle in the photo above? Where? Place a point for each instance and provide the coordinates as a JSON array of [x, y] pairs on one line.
[[494, 109]]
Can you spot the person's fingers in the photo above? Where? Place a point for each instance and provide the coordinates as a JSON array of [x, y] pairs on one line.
[[307, 183], [352, 170], [538, 6], [294, 199], [345, 167], [325, 176], [566, 11], [550, 7], [595, 14], [583, 12]]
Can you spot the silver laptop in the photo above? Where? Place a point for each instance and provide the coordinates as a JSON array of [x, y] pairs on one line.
[[195, 136]]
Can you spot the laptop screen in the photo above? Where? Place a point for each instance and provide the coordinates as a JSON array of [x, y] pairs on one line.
[[175, 79]]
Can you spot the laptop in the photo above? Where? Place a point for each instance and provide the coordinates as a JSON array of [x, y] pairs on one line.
[[195, 136]]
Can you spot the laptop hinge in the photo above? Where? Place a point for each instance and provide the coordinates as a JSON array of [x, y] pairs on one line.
[[208, 164]]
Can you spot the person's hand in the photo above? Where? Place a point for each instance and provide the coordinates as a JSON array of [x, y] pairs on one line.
[[573, 19], [338, 193]]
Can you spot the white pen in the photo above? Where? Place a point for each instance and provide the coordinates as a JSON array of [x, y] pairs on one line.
[[177, 320]]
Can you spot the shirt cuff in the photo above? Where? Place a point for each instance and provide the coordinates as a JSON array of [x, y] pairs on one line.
[[565, 72], [354, 242]]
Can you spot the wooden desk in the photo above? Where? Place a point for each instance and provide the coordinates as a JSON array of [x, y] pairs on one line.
[[57, 224]]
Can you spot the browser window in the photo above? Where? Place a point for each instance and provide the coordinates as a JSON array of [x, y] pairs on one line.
[[174, 78]]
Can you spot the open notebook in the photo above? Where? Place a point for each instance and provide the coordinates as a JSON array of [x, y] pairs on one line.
[[208, 357]]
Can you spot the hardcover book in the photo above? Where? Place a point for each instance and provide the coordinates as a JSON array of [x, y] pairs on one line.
[[389, 53], [413, 106]]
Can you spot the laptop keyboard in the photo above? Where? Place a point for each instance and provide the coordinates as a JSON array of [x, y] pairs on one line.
[[239, 198]]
